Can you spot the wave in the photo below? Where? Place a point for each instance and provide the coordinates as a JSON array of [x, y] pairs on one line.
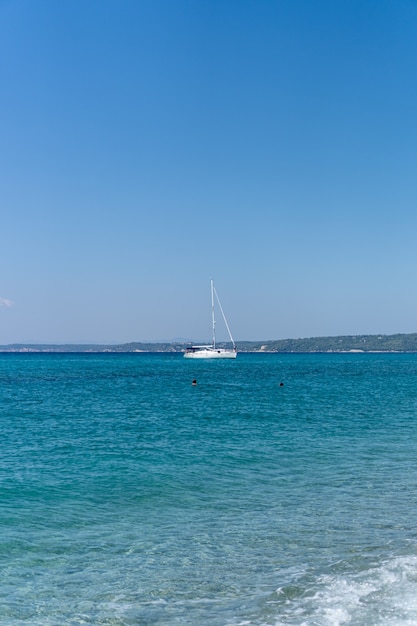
[[377, 596]]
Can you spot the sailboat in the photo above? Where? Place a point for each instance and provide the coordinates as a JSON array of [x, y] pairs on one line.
[[212, 351]]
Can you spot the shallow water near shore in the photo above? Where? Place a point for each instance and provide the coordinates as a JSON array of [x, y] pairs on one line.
[[130, 496]]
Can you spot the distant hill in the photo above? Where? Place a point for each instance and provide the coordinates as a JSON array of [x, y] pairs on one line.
[[346, 343]]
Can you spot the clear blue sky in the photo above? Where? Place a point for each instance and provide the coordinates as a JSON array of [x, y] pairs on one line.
[[149, 145]]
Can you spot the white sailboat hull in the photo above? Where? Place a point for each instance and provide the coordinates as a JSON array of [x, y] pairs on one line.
[[210, 353]]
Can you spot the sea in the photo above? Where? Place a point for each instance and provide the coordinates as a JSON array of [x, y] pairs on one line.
[[281, 489]]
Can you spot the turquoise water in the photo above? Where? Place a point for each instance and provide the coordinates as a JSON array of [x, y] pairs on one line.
[[128, 496]]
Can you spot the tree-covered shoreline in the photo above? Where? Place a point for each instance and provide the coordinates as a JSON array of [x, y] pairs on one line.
[[343, 343]]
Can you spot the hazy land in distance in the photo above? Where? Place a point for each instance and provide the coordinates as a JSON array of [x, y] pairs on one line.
[[345, 343]]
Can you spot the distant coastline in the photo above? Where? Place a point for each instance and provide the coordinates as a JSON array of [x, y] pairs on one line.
[[343, 343]]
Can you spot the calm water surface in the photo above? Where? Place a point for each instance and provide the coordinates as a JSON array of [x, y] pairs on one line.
[[128, 496]]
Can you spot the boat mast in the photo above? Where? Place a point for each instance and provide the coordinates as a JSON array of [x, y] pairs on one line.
[[224, 317], [212, 313]]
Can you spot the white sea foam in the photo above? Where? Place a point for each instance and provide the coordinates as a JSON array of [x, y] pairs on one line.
[[380, 595]]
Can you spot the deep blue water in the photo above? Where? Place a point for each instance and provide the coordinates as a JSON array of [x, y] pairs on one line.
[[130, 497]]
